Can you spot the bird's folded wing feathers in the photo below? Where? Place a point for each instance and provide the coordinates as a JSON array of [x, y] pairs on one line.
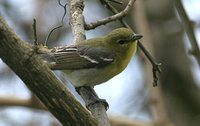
[[81, 57]]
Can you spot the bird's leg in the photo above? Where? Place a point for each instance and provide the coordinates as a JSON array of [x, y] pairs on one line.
[[93, 97], [97, 99]]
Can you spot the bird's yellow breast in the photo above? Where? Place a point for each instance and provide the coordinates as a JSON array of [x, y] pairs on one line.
[[124, 60]]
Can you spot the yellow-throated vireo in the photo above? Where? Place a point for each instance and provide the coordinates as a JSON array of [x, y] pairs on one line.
[[94, 61]]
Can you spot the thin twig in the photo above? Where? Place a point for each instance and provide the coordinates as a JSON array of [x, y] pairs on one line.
[[110, 18], [35, 32], [188, 25], [114, 11], [156, 66], [62, 22]]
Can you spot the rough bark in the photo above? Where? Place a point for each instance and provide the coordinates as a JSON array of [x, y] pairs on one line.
[[24, 61]]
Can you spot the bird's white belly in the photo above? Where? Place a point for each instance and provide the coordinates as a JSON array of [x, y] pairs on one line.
[[87, 77]]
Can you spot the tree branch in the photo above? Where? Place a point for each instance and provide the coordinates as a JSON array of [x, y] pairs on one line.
[[37, 76], [22, 102], [9, 101], [110, 18], [77, 20], [188, 25]]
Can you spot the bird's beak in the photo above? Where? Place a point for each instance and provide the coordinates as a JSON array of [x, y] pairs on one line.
[[136, 37]]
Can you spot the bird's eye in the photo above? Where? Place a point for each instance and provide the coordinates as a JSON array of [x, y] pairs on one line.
[[121, 41]]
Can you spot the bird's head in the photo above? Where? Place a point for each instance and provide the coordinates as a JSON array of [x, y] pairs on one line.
[[122, 40]]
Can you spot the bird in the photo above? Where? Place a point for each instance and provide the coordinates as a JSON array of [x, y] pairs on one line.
[[94, 61]]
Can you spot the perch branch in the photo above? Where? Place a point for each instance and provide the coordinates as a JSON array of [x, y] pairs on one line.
[[37, 76], [78, 31]]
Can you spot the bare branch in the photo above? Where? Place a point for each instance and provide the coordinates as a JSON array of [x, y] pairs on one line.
[[15, 101], [188, 25], [111, 18], [156, 66], [115, 11], [77, 20], [35, 32], [122, 121], [9, 101]]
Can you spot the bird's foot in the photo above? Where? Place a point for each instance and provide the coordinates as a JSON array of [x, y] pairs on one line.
[[98, 100], [93, 98]]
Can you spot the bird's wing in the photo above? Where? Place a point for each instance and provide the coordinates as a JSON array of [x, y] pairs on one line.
[[81, 57]]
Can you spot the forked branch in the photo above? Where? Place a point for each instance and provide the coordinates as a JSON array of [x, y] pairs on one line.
[[106, 20]]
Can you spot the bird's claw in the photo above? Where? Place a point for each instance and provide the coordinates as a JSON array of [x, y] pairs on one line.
[[102, 101]]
